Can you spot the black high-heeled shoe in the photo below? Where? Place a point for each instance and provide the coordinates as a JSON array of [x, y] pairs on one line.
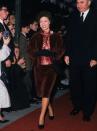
[[51, 117], [4, 121], [41, 126], [1, 114]]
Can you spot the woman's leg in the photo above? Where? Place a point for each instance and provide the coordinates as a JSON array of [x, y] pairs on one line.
[[45, 102], [50, 110], [1, 117]]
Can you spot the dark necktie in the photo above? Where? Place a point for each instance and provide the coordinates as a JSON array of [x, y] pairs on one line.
[[82, 17], [4, 26]]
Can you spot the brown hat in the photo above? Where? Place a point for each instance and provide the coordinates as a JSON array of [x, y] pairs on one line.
[[44, 14]]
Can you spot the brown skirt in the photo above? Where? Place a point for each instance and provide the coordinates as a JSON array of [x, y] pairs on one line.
[[45, 78]]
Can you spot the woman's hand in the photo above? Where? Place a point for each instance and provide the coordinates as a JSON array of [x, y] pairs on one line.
[[6, 40], [66, 59], [93, 63], [8, 63]]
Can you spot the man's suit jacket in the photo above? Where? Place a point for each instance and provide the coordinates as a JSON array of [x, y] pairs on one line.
[[82, 38], [23, 44], [6, 71]]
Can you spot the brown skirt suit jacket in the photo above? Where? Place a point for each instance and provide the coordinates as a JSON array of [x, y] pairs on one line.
[[45, 75]]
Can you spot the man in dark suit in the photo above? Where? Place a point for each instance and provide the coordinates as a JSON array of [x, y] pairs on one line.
[[4, 28], [81, 55]]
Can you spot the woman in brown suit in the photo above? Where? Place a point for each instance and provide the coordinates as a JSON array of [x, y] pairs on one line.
[[44, 48]]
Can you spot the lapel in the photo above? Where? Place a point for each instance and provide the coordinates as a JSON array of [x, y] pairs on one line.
[[53, 41], [88, 16], [2, 27], [40, 41], [5, 27]]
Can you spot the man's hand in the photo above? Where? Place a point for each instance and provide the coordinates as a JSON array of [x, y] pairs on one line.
[[21, 61], [66, 59], [93, 63], [8, 63]]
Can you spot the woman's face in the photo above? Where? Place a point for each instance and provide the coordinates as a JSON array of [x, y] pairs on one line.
[[17, 52], [44, 23], [1, 35]]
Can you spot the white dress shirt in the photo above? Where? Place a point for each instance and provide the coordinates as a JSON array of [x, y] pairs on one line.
[[85, 14]]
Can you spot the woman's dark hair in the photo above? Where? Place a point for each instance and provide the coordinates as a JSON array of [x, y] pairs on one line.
[[16, 46], [44, 14]]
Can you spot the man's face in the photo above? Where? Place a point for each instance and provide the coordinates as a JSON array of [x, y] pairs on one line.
[[12, 19], [34, 26], [4, 13], [26, 29], [83, 5]]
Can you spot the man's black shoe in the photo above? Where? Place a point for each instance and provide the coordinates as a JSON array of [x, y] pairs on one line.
[[86, 118], [74, 112]]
